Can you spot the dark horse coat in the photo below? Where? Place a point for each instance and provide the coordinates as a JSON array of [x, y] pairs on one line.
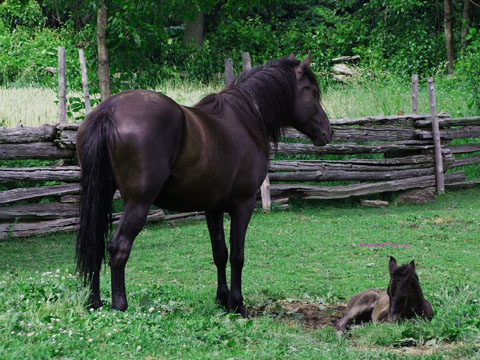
[[212, 156]]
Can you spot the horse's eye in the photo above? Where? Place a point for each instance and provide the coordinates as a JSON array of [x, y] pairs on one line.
[[316, 92]]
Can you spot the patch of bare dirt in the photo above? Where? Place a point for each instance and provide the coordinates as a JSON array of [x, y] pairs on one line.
[[312, 315]]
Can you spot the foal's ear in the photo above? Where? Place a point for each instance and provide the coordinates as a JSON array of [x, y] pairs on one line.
[[411, 267], [392, 265], [292, 56], [307, 61]]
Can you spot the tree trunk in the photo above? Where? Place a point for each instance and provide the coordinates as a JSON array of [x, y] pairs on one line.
[[467, 19], [449, 35], [103, 67], [194, 31]]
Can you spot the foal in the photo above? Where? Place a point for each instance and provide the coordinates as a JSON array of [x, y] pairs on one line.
[[403, 299]]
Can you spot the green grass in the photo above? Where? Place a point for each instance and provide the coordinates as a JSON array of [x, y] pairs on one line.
[[309, 253]]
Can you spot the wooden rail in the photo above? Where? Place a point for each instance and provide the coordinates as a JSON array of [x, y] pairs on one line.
[[377, 153]]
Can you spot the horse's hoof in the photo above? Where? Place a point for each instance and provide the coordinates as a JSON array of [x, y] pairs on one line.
[[222, 300], [239, 309], [94, 303], [120, 305]]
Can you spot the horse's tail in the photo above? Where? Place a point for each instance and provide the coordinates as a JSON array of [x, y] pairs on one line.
[[96, 191]]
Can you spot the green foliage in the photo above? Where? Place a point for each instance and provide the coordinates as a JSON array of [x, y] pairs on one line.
[[468, 67], [145, 39]]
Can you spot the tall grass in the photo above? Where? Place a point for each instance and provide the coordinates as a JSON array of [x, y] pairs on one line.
[[36, 106]]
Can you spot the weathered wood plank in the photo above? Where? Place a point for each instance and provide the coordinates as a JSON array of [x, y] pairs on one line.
[[21, 229], [463, 149], [471, 160], [40, 211], [463, 184], [385, 164], [35, 150], [27, 134], [340, 175], [363, 133], [46, 173], [9, 196], [338, 192], [67, 138], [346, 149], [383, 119], [447, 122], [454, 133]]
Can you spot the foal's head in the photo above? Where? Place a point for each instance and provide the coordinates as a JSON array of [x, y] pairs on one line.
[[404, 292], [309, 116]]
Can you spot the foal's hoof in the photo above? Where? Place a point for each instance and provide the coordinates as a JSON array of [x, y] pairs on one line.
[[339, 325]]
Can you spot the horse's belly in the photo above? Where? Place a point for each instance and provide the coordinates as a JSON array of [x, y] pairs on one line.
[[205, 193]]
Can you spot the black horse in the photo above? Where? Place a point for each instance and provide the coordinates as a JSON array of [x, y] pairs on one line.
[[403, 299], [212, 156]]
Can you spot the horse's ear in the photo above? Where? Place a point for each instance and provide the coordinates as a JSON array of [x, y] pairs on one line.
[[292, 56], [392, 265], [307, 61], [411, 267]]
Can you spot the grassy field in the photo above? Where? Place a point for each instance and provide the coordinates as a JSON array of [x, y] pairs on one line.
[[301, 267], [34, 106], [306, 258]]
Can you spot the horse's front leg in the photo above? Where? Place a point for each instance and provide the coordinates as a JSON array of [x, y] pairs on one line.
[[240, 216], [119, 247], [220, 253]]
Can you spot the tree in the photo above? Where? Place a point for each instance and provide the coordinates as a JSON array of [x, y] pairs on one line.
[[194, 30], [449, 35], [103, 66], [467, 19]]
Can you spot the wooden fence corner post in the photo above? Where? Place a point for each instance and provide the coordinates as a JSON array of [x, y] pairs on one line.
[[436, 138], [247, 62], [229, 74], [265, 193], [62, 86], [415, 94]]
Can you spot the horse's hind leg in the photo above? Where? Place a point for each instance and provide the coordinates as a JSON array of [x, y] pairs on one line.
[[119, 247], [240, 215], [220, 253]]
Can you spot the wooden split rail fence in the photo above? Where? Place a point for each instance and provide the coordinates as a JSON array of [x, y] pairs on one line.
[[378, 154]]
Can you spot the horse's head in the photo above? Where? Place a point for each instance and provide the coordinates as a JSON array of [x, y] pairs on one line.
[[309, 116], [404, 292]]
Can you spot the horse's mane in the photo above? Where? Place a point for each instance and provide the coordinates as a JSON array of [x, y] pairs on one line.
[[262, 98]]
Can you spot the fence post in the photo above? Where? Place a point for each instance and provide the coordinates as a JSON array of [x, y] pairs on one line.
[[229, 74], [415, 94], [83, 68], [436, 138], [62, 86], [247, 62]]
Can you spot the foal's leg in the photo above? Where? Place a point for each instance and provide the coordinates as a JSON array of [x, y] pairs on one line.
[[220, 253], [361, 308], [240, 215], [119, 247]]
